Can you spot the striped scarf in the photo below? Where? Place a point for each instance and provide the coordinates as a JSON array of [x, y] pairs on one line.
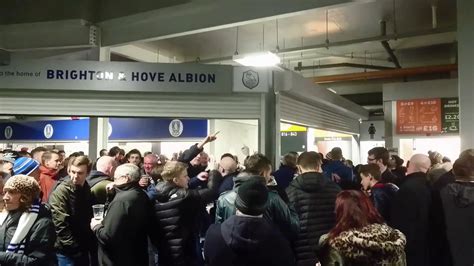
[[27, 219]]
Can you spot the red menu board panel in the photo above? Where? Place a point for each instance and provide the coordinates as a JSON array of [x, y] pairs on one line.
[[419, 116]]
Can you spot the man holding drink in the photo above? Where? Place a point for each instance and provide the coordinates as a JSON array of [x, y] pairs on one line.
[[123, 233]]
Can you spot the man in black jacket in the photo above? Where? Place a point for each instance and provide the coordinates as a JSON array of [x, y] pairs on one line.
[[195, 157], [314, 197], [246, 238], [178, 214], [122, 234], [452, 235], [410, 210]]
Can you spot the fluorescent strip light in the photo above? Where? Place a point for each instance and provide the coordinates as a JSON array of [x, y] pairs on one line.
[[263, 59]]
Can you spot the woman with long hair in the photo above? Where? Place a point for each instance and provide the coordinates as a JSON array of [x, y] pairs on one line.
[[360, 237]]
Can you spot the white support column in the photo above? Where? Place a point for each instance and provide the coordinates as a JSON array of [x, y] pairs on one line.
[[99, 126], [98, 135], [466, 72]]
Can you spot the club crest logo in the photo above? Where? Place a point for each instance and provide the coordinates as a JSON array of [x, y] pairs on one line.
[[48, 131], [250, 79], [109, 129], [176, 128], [8, 132]]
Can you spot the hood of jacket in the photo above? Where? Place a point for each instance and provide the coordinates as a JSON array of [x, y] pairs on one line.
[[244, 234], [167, 191], [285, 170], [386, 187], [373, 243], [310, 182], [462, 192], [96, 177], [47, 171]]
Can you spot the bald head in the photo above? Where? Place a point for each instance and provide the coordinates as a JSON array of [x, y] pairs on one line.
[[419, 163], [106, 165], [228, 165]]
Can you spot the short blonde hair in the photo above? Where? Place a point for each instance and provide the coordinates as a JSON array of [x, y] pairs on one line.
[[172, 169]]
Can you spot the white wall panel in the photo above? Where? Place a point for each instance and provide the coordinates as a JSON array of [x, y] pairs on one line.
[[81, 103], [313, 115]]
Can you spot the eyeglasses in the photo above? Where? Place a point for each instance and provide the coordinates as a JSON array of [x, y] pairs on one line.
[[371, 159]]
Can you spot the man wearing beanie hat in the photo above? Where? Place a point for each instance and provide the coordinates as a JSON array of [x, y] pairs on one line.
[[252, 198], [26, 231], [27, 166], [246, 238]]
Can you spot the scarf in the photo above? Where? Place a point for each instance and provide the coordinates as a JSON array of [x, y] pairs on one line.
[[27, 219]]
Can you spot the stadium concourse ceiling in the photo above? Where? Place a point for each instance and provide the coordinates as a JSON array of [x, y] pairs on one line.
[[314, 38]]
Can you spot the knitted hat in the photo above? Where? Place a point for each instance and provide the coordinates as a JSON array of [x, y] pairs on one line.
[[252, 197], [25, 166], [25, 185]]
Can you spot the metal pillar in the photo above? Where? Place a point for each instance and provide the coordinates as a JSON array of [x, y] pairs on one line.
[[269, 128], [466, 72]]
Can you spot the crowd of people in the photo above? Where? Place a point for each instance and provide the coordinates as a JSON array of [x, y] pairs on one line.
[[313, 210]]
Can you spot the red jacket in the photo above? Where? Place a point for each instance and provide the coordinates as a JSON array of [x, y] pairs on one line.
[[48, 178]]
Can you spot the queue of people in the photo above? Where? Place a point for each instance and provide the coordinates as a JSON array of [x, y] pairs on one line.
[[313, 210]]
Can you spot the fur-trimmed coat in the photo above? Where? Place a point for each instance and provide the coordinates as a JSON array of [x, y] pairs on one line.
[[375, 244]]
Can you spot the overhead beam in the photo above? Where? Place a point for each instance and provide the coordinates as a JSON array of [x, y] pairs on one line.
[[4, 58], [136, 53], [324, 45], [378, 38], [300, 67], [387, 74], [63, 34], [365, 99], [198, 16]]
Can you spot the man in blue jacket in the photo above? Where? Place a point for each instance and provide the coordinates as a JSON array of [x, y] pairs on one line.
[[337, 170]]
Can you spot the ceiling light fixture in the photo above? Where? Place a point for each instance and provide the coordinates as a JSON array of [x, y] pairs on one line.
[[261, 59]]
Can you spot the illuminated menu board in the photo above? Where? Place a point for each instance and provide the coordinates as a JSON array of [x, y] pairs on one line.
[[419, 116]]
